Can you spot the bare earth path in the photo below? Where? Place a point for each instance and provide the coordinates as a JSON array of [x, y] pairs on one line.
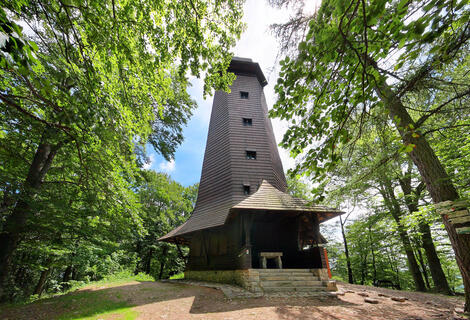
[[158, 300]]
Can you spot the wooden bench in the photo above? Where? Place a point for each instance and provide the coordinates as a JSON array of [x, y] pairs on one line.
[[263, 256]]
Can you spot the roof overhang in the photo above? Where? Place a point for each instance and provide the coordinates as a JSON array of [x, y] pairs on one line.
[[322, 215], [247, 66]]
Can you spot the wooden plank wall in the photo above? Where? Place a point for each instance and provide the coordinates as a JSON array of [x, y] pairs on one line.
[[258, 137], [219, 249], [225, 168], [224, 248]]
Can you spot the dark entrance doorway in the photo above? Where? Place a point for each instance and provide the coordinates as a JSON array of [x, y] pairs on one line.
[[272, 232]]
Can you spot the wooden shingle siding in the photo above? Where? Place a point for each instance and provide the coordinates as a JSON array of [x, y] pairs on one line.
[[225, 167]]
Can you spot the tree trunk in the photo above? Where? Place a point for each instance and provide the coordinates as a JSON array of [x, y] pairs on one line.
[[19, 277], [138, 249], [438, 277], [364, 270], [162, 262], [412, 263], [395, 269], [346, 252], [435, 177], [67, 274], [74, 273], [16, 221], [42, 281], [149, 261], [394, 208], [374, 268], [423, 267]]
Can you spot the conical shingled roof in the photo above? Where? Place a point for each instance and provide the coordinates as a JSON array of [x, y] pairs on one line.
[[269, 198]]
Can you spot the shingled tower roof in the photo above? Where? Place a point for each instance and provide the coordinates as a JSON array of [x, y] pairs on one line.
[[239, 130]]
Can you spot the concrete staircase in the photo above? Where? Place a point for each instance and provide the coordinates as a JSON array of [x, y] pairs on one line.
[[291, 280]]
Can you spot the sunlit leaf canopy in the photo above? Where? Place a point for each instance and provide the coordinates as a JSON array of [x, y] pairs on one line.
[[327, 90], [125, 54], [85, 86], [102, 78]]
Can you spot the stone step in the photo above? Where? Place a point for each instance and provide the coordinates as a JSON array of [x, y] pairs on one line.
[[288, 278], [286, 273], [282, 270], [299, 294], [295, 289], [290, 283]]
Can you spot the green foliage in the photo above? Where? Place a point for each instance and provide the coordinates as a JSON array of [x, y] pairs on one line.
[[178, 276], [83, 90], [367, 233], [166, 205], [333, 87], [297, 188], [362, 67]]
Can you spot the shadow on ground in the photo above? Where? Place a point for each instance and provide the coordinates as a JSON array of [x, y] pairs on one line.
[[153, 300], [121, 299]]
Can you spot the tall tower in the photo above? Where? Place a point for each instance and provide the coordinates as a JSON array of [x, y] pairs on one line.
[[243, 204], [241, 150]]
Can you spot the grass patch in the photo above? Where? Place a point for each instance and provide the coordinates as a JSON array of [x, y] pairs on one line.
[[85, 304], [93, 305], [122, 277], [177, 276]]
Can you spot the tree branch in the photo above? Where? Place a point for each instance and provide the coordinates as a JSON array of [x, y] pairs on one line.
[[437, 109], [449, 127], [19, 108]]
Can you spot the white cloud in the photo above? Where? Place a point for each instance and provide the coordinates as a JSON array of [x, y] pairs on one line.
[[167, 166], [147, 165]]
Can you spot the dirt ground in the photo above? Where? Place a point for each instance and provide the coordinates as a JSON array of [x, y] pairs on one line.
[[158, 300]]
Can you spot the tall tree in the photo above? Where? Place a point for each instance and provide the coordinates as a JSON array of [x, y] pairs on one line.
[[365, 58], [165, 205], [412, 196], [91, 82], [388, 194], [346, 250]]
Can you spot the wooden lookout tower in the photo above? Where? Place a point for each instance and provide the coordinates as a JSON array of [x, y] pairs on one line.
[[245, 223]]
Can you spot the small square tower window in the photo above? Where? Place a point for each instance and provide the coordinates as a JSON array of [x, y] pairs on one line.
[[246, 190], [251, 155], [243, 94], [247, 122]]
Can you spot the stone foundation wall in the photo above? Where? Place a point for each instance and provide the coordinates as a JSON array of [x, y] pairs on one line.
[[248, 279], [321, 273]]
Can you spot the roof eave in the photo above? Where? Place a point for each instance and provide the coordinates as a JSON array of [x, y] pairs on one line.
[[245, 66]]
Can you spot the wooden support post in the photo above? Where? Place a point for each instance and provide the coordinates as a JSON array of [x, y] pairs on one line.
[[247, 222], [262, 262], [316, 228]]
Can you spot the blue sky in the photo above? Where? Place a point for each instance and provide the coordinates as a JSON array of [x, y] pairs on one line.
[[187, 164], [256, 43]]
